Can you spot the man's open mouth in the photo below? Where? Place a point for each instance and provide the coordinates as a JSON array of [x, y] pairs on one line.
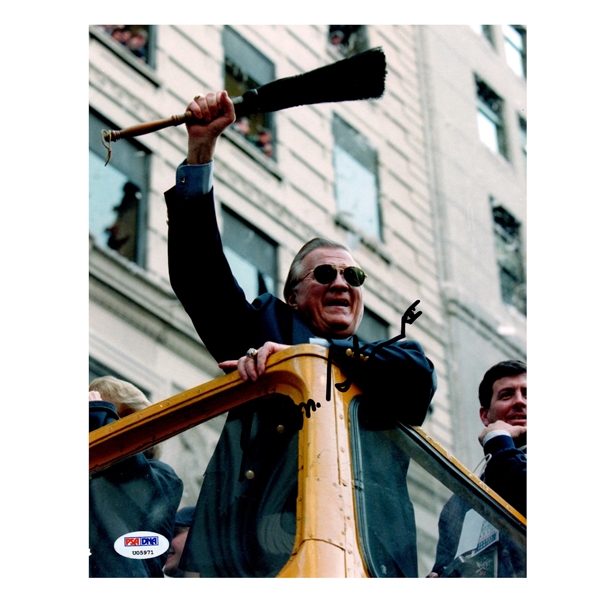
[[517, 418], [337, 302]]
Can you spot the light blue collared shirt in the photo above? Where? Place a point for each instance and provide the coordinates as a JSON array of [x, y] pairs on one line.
[[194, 180]]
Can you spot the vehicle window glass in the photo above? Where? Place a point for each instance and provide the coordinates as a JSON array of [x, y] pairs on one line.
[[416, 516], [255, 533]]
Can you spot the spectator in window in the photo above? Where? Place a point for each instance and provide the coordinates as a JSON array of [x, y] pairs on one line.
[[139, 493], [137, 44], [344, 37], [242, 126], [336, 36], [263, 141], [121, 34], [122, 234], [503, 411], [245, 520]]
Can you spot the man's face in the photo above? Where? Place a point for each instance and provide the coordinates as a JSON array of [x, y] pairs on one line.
[[171, 567], [331, 310], [509, 401]]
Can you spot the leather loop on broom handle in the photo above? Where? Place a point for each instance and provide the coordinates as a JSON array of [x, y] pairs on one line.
[[107, 137]]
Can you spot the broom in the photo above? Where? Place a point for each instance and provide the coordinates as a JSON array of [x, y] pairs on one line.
[[360, 77]]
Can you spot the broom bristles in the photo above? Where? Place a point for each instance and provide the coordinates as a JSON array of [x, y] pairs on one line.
[[360, 77]]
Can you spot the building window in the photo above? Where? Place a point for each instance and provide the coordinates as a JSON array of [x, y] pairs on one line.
[[118, 194], [515, 46], [97, 370], [372, 328], [485, 31], [136, 40], [523, 136], [356, 185], [246, 68], [251, 255], [348, 39], [509, 255], [490, 119]]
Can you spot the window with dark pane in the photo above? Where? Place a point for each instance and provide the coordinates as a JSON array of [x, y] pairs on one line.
[[356, 185], [515, 47], [485, 31], [97, 370], [372, 328], [245, 69], [490, 118], [523, 134], [509, 255], [348, 39], [251, 255], [118, 194]]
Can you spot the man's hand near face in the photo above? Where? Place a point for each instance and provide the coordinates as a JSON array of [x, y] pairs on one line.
[[515, 431]]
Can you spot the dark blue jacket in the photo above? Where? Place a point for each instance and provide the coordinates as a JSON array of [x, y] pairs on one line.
[[226, 539], [228, 324], [506, 474], [135, 494]]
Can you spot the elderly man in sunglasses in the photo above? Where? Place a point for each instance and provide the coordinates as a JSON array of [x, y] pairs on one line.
[[251, 473]]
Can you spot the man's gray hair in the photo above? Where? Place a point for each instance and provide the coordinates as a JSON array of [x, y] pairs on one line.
[[295, 273]]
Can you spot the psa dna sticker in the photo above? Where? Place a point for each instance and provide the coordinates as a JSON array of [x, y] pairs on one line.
[[141, 544]]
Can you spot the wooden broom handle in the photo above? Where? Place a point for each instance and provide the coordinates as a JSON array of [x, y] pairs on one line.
[[143, 128], [108, 136]]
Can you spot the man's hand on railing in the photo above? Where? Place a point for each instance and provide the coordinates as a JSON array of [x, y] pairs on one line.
[[252, 365]]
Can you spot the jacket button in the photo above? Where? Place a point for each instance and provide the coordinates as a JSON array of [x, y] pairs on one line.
[[280, 428], [249, 474]]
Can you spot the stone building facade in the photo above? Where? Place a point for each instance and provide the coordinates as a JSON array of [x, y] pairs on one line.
[[474, 101]]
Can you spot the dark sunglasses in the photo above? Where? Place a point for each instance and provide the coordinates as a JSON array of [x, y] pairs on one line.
[[325, 274]]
